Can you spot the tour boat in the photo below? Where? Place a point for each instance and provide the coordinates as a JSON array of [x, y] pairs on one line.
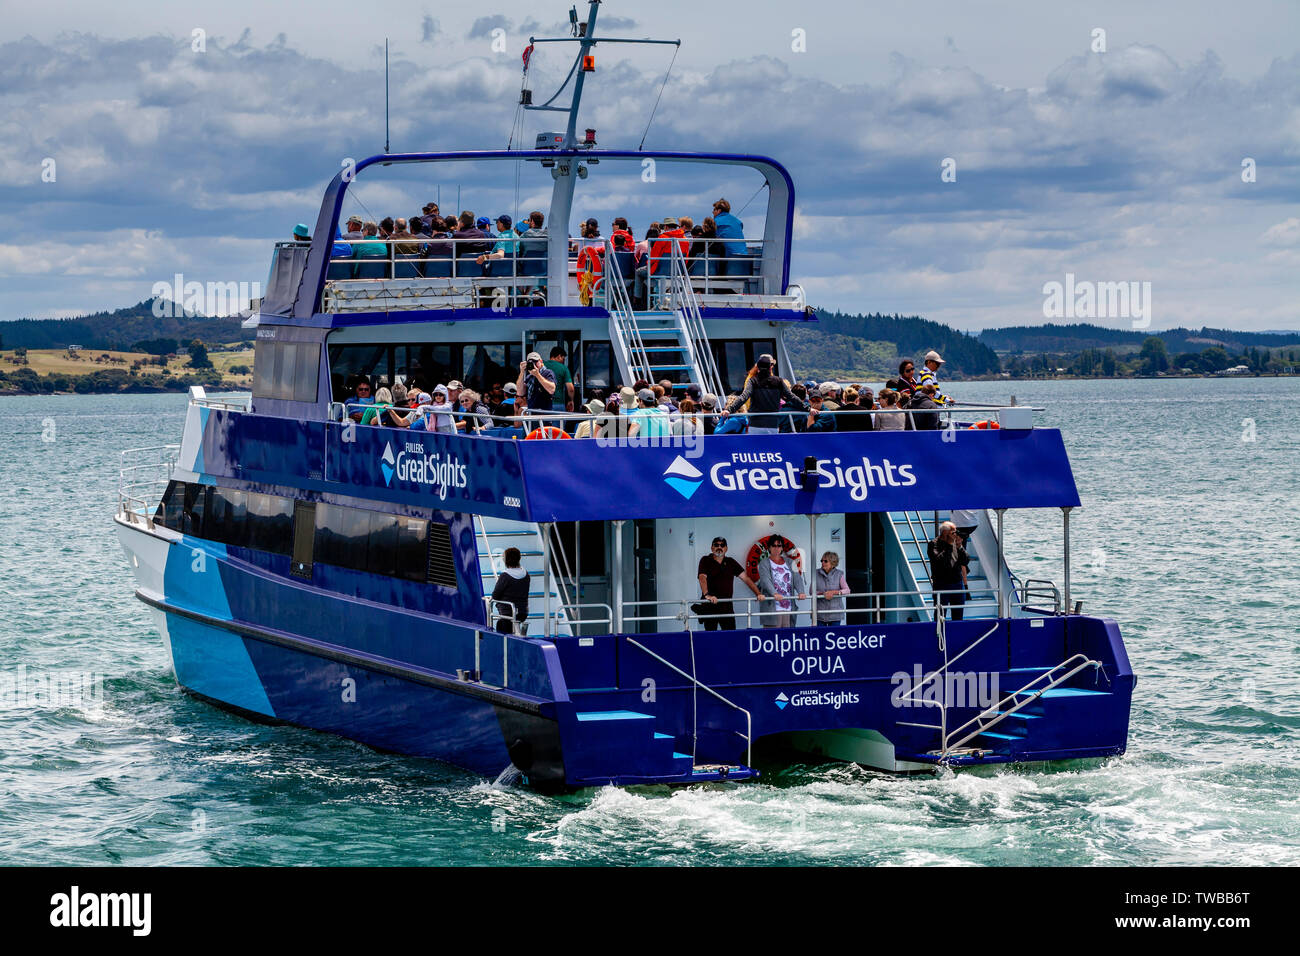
[[305, 567]]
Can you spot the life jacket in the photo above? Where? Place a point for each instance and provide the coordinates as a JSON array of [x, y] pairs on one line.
[[986, 424]]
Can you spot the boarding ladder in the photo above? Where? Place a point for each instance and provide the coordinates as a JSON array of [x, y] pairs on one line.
[[494, 535], [670, 339], [913, 531]]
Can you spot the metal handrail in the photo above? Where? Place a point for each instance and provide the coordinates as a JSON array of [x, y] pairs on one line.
[[684, 612], [566, 606], [997, 708], [139, 497], [688, 307], [629, 333], [1038, 588], [948, 663], [566, 417], [749, 720]]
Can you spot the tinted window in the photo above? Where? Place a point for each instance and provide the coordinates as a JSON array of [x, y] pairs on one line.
[[341, 536], [225, 520], [286, 370], [263, 369], [597, 366], [381, 551], [268, 523]]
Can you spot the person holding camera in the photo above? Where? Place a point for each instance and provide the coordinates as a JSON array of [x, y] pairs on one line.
[[536, 383]]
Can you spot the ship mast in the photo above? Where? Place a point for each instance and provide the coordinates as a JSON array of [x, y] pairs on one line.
[[567, 169]]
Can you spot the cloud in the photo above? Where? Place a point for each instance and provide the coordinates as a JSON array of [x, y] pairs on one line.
[[483, 26], [1122, 166], [429, 29]]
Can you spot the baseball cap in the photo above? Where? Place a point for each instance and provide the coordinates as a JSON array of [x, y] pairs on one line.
[[646, 395], [693, 391], [933, 356], [483, 221], [765, 361], [424, 398], [829, 387], [814, 392], [503, 218], [533, 357], [511, 388], [454, 384], [811, 383]]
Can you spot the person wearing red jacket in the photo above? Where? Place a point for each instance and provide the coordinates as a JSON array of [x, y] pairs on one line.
[[660, 247]]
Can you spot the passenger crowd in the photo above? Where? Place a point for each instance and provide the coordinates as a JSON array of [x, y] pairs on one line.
[[715, 246], [767, 404]]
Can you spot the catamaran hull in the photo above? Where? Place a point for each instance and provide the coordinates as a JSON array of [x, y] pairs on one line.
[[571, 712]]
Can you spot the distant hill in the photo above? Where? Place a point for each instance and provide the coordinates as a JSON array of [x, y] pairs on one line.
[[1073, 338], [119, 330], [874, 344]]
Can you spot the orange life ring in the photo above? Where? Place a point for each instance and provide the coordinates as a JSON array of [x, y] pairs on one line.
[[758, 551], [986, 424], [548, 432]]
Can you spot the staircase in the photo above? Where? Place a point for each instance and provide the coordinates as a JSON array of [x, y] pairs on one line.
[[1042, 716], [623, 747], [494, 535], [662, 343], [913, 531]]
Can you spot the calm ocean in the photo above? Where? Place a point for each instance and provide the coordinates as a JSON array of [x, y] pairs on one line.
[[1188, 537]]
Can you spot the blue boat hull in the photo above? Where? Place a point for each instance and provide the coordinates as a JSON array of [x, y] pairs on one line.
[[573, 712]]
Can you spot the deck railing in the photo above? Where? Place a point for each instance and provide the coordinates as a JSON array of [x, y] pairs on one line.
[[431, 272], [472, 423], [142, 479]]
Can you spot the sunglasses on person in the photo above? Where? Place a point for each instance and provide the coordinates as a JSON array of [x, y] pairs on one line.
[[363, 388]]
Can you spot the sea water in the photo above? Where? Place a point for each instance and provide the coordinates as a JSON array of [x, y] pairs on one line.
[[1188, 536]]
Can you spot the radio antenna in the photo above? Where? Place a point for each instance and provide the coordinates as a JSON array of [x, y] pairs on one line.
[[386, 144]]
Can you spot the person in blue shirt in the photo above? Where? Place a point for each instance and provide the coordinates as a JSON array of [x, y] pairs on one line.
[[729, 227], [505, 241]]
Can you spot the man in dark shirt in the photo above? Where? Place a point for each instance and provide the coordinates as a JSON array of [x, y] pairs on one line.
[[536, 383], [717, 574]]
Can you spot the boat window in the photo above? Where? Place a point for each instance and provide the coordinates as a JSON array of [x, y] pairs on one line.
[[735, 357], [490, 363], [413, 550], [378, 543], [349, 361], [341, 536], [597, 367], [286, 370], [268, 523], [225, 519]]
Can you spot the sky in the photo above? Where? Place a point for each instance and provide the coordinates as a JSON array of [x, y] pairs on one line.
[[127, 155]]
